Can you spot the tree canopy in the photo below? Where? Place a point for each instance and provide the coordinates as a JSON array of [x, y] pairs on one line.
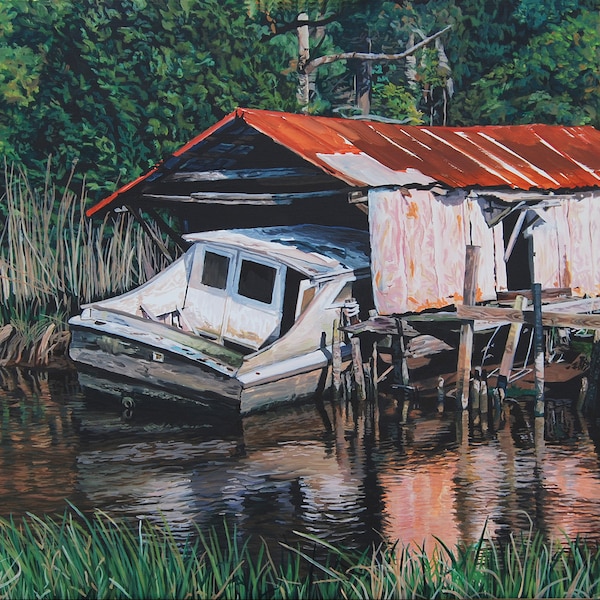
[[119, 84]]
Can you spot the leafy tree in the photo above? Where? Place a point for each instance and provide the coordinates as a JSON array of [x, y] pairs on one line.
[[120, 83], [376, 28], [553, 79]]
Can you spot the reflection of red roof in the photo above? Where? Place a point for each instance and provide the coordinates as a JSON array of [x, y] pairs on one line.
[[370, 153]]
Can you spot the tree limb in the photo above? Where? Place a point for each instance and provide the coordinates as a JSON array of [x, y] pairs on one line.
[[277, 29], [369, 56]]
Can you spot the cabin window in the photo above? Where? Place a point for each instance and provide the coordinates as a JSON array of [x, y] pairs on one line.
[[216, 267], [257, 281]]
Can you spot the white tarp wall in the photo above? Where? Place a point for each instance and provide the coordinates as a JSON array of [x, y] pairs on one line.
[[567, 246], [418, 245]]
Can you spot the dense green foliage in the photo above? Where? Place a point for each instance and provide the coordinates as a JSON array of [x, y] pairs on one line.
[[79, 557], [119, 84]]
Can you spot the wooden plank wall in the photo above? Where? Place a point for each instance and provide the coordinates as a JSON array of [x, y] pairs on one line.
[[567, 246], [418, 245]]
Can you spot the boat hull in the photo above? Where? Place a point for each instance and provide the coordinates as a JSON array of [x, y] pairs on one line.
[[159, 369], [140, 370]]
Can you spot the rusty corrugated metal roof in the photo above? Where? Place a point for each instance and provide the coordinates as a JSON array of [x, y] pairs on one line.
[[369, 153]]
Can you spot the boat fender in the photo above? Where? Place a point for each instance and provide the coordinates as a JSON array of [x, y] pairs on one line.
[[351, 311]]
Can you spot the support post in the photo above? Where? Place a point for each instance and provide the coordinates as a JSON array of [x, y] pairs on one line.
[[583, 388], [465, 349], [484, 398], [441, 394], [399, 356], [137, 215], [508, 358], [594, 374], [357, 364], [476, 389], [351, 316], [475, 395], [401, 376], [374, 370], [539, 349], [168, 230], [303, 93], [336, 359]]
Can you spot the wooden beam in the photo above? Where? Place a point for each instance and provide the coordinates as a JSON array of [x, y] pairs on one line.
[[245, 174], [538, 329], [514, 235], [168, 230], [503, 214], [233, 198], [265, 198], [465, 350], [547, 294], [508, 358], [549, 318]]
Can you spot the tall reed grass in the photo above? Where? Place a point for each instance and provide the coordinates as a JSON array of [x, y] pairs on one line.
[[52, 259], [96, 557]]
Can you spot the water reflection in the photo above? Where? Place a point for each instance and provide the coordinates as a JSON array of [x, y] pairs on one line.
[[348, 472]]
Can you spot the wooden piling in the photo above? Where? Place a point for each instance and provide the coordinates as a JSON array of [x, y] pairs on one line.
[[539, 349], [405, 409], [465, 350], [401, 378], [401, 375], [357, 365], [475, 390], [441, 394], [336, 359], [514, 333], [374, 370], [351, 317], [483, 395], [594, 373], [583, 388]]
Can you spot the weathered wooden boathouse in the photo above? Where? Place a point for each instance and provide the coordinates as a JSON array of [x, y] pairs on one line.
[[528, 196]]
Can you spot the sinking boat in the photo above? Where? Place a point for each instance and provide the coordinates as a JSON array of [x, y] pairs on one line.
[[245, 318]]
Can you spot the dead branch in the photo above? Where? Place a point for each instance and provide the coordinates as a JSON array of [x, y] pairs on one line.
[[369, 56]]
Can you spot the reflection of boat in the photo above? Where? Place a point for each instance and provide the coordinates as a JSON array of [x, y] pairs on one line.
[[245, 315]]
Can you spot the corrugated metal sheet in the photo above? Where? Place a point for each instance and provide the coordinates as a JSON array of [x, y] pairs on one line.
[[417, 250], [369, 153], [545, 157]]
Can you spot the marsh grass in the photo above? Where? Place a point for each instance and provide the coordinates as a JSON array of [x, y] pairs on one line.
[[75, 556], [53, 259]]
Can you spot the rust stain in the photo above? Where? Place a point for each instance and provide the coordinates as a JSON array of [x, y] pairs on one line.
[[538, 156], [567, 275], [413, 210], [419, 305], [378, 279]]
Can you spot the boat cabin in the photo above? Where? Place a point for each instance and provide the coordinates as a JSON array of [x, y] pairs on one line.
[[246, 288]]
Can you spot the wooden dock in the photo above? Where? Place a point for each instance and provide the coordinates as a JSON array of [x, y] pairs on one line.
[[551, 308]]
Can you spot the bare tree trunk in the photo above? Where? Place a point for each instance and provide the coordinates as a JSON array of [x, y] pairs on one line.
[[363, 81], [303, 92]]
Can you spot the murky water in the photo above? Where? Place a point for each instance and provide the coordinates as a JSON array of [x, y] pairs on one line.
[[347, 472]]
